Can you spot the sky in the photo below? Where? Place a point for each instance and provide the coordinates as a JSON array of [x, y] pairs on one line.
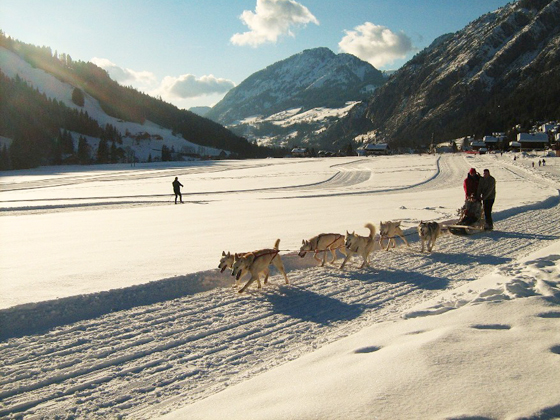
[[191, 52]]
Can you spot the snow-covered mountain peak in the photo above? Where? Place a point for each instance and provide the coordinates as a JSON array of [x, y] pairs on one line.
[[312, 79]]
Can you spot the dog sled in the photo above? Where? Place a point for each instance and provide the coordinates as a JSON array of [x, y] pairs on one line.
[[471, 220]]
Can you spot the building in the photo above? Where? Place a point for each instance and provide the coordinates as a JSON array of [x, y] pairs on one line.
[[375, 149], [495, 141], [531, 141], [479, 146], [300, 152], [549, 127]]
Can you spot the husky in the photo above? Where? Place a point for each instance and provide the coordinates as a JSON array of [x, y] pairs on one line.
[[323, 243], [429, 232], [362, 245], [257, 262], [390, 230], [226, 262]]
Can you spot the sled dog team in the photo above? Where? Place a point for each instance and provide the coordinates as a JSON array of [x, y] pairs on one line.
[[257, 262]]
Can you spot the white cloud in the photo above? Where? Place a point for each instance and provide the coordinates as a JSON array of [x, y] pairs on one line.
[[272, 19], [376, 44], [183, 87], [124, 75], [189, 86]]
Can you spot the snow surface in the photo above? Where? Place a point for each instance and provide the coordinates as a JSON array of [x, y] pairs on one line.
[[113, 306]]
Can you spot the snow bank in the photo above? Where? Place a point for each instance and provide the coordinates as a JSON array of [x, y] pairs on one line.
[[35, 317], [31, 318]]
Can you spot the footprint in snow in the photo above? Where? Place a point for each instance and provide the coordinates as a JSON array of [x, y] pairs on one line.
[[369, 349], [491, 327]]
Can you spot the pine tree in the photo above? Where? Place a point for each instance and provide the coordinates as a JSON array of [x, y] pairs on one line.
[[78, 97], [83, 151], [113, 153], [57, 151], [102, 152], [165, 154], [5, 162], [66, 142]]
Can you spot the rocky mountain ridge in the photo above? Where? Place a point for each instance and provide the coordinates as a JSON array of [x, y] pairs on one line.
[[500, 70], [315, 79]]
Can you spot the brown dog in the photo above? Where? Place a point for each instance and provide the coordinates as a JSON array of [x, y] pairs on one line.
[[257, 262], [322, 243]]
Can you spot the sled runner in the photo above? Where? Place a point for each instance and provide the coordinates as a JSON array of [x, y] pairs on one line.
[[464, 230]]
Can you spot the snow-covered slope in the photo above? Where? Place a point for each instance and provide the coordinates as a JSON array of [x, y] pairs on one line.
[[13, 65]]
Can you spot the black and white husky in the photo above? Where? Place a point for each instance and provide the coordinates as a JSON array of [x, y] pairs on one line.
[[429, 232]]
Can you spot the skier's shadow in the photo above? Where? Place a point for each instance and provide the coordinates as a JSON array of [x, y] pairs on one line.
[[196, 202]]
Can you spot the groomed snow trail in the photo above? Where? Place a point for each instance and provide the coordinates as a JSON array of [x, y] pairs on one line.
[[151, 359]]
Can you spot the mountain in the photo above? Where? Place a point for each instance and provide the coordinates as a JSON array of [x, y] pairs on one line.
[[289, 101], [56, 110], [200, 110], [501, 70]]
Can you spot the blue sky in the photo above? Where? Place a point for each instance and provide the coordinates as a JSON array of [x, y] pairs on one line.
[[190, 52]]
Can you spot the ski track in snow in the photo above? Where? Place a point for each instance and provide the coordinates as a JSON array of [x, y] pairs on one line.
[[152, 359], [347, 175]]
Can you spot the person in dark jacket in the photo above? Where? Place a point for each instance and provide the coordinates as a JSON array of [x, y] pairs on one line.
[[470, 184], [177, 189], [487, 192]]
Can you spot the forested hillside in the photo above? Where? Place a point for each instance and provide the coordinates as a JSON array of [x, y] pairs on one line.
[[36, 123]]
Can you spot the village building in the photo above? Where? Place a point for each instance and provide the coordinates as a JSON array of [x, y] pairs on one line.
[[492, 142], [300, 152], [479, 146], [530, 141], [549, 127], [374, 149]]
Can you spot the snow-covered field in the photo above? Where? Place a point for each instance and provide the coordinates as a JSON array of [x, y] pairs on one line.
[[112, 306]]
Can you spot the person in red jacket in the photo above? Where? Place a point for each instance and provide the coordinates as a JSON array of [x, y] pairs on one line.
[[470, 184]]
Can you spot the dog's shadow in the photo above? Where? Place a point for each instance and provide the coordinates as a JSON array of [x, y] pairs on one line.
[[309, 306], [467, 259], [376, 274], [421, 281]]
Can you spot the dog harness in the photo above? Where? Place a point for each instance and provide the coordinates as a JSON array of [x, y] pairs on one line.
[[338, 236]]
